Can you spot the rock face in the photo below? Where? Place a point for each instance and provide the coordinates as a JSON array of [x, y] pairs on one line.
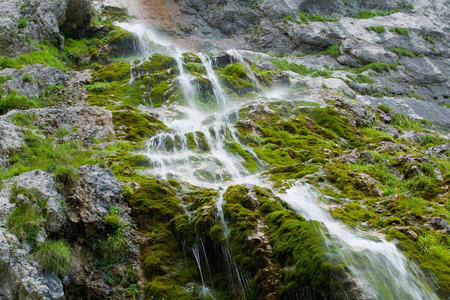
[[87, 203], [38, 20], [22, 277], [88, 124], [11, 139]]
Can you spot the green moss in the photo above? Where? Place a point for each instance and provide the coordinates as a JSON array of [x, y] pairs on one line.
[[352, 213], [331, 119], [236, 78], [301, 69], [159, 62], [300, 248], [194, 67], [156, 201], [117, 71], [22, 23], [138, 125], [159, 93], [340, 176], [160, 288], [429, 39], [122, 42], [249, 162]]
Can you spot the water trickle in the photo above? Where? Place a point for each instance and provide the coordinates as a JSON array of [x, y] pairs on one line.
[[378, 267], [217, 88], [238, 57]]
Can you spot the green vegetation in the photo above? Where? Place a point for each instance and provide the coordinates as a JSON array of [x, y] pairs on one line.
[[42, 153], [55, 257], [403, 52], [400, 31], [306, 18], [384, 108], [301, 69], [377, 29], [368, 14], [379, 67], [360, 78], [429, 39], [46, 55], [22, 23]]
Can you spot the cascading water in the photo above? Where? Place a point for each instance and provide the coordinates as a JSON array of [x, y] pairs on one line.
[[194, 150], [379, 268]]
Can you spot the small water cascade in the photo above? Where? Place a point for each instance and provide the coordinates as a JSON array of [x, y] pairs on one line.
[[380, 270], [218, 91], [238, 57]]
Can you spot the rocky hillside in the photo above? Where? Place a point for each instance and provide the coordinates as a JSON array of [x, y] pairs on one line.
[[311, 162]]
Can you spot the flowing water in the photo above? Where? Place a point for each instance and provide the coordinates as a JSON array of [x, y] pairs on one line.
[[194, 150]]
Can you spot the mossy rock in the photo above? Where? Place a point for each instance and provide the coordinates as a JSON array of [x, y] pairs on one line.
[[161, 288], [190, 57], [123, 43], [138, 125], [155, 200], [235, 78], [117, 71]]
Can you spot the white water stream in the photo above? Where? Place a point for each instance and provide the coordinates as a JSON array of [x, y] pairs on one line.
[[381, 271]]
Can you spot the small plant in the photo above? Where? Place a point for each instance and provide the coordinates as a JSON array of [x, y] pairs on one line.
[[400, 31], [27, 78], [403, 52], [15, 100], [368, 14], [380, 67], [384, 108], [429, 39], [66, 177], [55, 257], [306, 18], [22, 23], [377, 29]]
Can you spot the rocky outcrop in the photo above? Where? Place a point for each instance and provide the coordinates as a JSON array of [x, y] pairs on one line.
[[11, 139], [23, 278], [86, 123], [31, 81], [75, 213], [39, 21]]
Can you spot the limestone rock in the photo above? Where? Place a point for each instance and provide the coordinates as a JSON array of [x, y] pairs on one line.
[[11, 139], [32, 80]]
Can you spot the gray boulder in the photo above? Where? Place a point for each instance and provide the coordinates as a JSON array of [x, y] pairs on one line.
[[32, 80], [11, 139]]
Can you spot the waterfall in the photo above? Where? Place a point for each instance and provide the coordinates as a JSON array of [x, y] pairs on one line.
[[380, 270], [378, 267]]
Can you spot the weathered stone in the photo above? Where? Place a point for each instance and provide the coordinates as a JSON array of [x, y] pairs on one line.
[[32, 80]]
